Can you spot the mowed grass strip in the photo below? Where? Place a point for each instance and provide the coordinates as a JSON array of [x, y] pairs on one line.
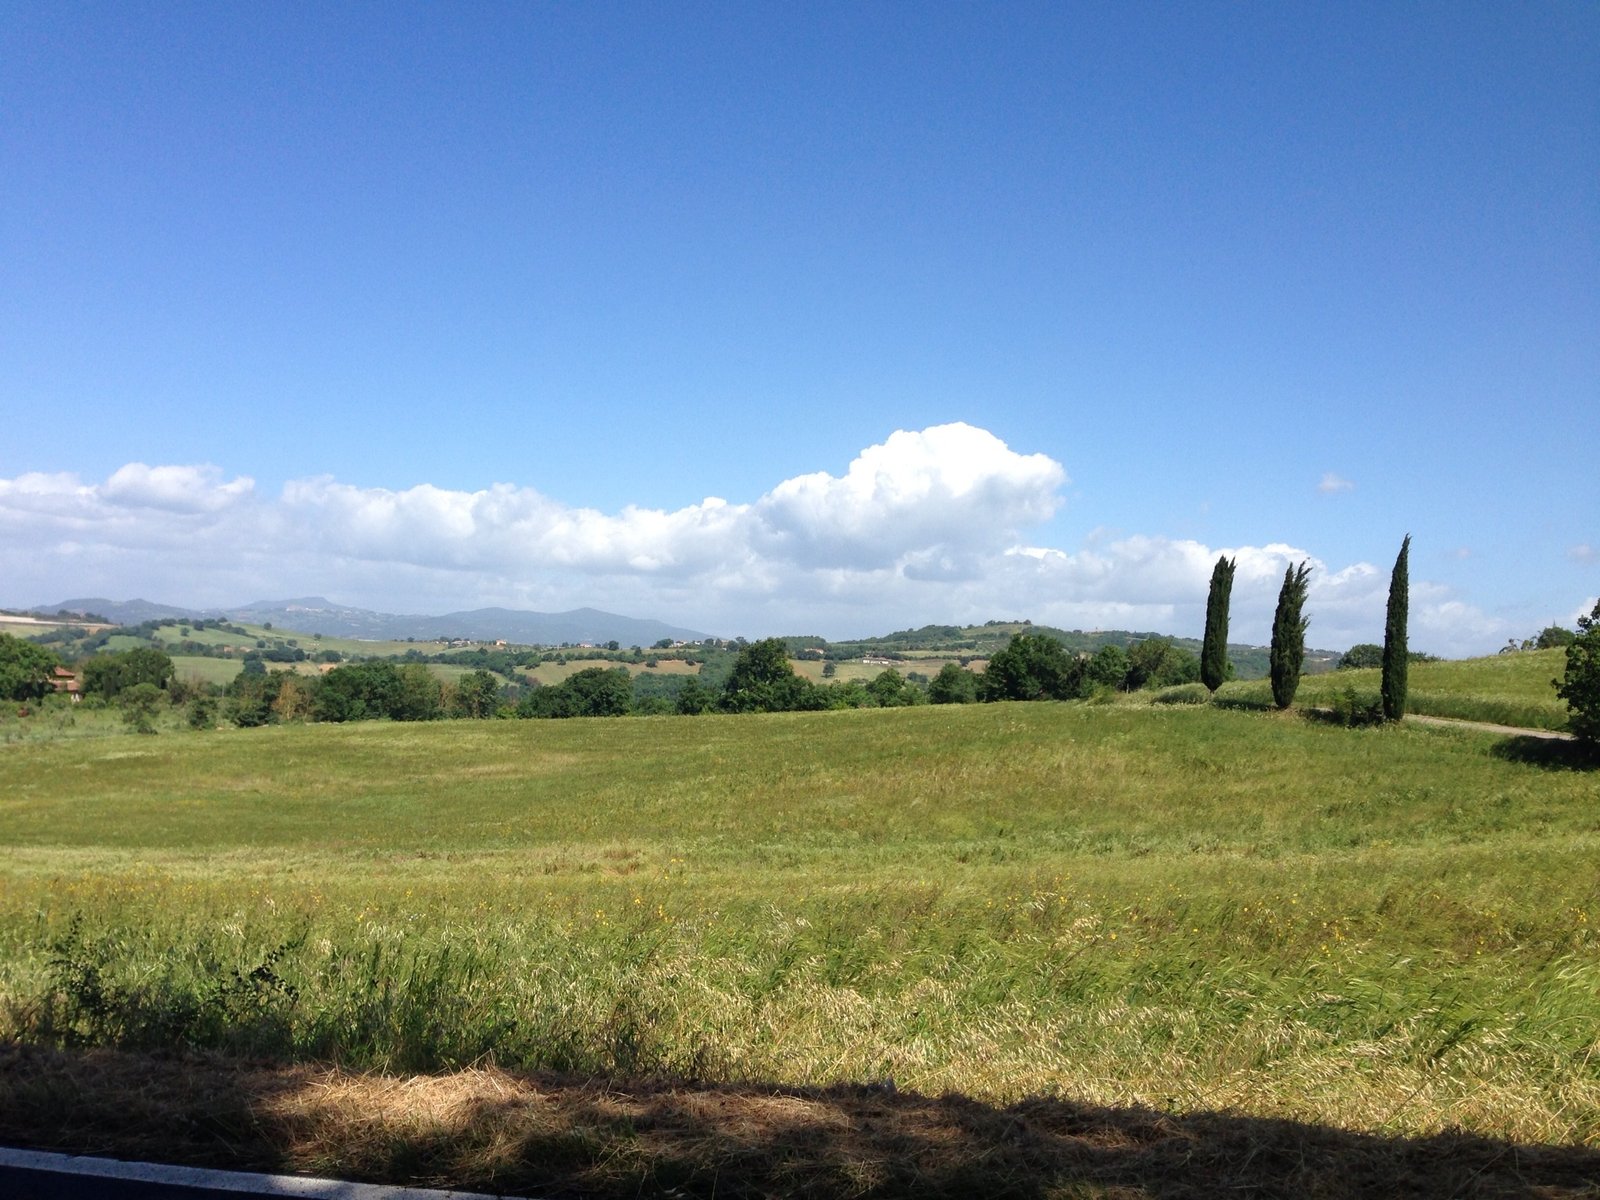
[[1190, 908]]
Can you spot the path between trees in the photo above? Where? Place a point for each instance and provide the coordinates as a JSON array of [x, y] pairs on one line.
[[1511, 730]]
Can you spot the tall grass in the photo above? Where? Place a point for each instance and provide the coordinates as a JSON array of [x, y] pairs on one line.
[[1181, 906], [1502, 689]]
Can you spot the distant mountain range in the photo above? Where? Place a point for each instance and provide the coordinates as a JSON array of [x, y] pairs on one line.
[[314, 614]]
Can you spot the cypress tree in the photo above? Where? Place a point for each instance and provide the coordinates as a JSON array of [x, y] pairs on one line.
[[1214, 649], [1289, 636], [1395, 655]]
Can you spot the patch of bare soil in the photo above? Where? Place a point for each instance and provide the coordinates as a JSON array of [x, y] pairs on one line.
[[539, 1135]]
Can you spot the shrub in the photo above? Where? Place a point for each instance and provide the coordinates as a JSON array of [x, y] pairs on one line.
[[1355, 710], [1580, 687], [139, 705], [1361, 655], [1184, 693]]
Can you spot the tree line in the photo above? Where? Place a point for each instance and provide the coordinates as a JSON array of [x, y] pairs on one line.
[[746, 677], [1289, 624]]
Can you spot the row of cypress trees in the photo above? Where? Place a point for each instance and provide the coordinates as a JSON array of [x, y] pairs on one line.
[[1289, 624]]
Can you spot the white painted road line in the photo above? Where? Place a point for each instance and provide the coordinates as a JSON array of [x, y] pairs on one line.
[[25, 1174]]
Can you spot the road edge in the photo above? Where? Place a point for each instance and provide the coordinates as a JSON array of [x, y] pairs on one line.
[[200, 1179]]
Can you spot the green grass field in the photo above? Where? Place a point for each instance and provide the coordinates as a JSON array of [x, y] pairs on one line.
[[922, 664], [549, 673], [171, 633], [1188, 908], [1502, 689]]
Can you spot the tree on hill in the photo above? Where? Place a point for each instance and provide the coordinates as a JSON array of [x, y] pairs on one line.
[[476, 695], [140, 703], [763, 681], [1554, 637], [1289, 635], [361, 691], [1395, 658], [108, 675], [695, 698], [1108, 668], [954, 684], [1580, 687], [1362, 654], [25, 669], [591, 692], [1033, 666], [892, 690], [1214, 648], [1159, 662]]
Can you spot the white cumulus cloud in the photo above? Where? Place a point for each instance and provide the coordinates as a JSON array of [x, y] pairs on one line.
[[1332, 484], [927, 526], [190, 489]]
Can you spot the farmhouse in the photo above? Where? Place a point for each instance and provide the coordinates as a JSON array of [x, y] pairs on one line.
[[64, 679]]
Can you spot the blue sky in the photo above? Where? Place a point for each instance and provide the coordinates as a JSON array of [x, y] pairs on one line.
[[956, 311]]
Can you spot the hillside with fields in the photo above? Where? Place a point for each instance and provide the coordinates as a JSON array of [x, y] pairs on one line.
[[786, 873]]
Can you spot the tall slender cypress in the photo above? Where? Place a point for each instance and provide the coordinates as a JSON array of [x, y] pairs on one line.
[[1289, 635], [1214, 649], [1395, 655]]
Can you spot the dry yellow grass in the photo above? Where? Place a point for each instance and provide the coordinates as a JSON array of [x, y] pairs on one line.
[[542, 1135]]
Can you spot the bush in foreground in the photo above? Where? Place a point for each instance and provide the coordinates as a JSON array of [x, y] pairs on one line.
[[1580, 687]]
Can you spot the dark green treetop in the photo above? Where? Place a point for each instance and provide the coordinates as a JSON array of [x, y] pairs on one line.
[[1214, 647], [1395, 657], [1580, 686], [1289, 635]]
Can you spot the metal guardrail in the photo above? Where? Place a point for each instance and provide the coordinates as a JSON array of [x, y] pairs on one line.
[[38, 1175]]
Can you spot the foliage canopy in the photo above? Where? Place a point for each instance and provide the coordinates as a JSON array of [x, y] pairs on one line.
[[1580, 686], [1214, 647], [1289, 635], [1395, 657], [25, 669]]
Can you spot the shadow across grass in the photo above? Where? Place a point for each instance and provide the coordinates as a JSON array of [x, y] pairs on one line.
[[545, 1135], [1555, 754]]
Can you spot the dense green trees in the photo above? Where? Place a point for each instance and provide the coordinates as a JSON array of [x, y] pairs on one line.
[[591, 692], [1033, 666], [1159, 662], [107, 675], [475, 695], [695, 698], [1395, 657], [1362, 654], [1580, 686], [1289, 635], [763, 681], [140, 703], [1214, 647], [890, 690], [25, 669], [954, 684], [378, 689], [1107, 668]]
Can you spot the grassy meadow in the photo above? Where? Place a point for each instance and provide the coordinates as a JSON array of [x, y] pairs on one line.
[[1501, 689], [1188, 908]]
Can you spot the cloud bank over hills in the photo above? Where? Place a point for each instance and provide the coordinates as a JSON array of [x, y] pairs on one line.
[[927, 526]]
